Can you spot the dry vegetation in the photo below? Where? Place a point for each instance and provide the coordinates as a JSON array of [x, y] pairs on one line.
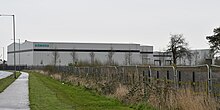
[[163, 97]]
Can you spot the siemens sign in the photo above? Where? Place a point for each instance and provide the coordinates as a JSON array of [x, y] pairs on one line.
[[41, 45]]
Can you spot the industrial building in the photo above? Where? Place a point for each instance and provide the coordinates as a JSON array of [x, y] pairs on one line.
[[162, 58], [198, 57], [60, 53]]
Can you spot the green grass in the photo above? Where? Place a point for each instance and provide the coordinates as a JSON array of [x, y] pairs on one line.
[[48, 94], [5, 82]]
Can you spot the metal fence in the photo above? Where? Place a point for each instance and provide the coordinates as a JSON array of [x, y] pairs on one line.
[[202, 79]]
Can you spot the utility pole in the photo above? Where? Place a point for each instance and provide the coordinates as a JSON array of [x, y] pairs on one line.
[[13, 17], [14, 46]]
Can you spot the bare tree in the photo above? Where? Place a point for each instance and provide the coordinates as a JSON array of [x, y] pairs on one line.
[[178, 47], [55, 56], [73, 55], [110, 56], [92, 57]]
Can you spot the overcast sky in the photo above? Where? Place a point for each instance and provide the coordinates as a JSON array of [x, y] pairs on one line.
[[148, 22]]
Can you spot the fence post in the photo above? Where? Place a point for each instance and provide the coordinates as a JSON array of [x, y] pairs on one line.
[[158, 76], [149, 74], [209, 86], [175, 76], [139, 78], [109, 75], [120, 74], [135, 74], [194, 81], [97, 74], [168, 76], [100, 75], [211, 82], [88, 72], [116, 72], [124, 75], [145, 89], [179, 78], [112, 73]]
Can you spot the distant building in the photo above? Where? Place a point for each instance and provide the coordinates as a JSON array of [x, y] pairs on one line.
[[50, 53], [146, 55], [198, 57], [61, 53], [162, 58]]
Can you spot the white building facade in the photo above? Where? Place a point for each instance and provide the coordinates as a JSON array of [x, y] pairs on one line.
[[45, 53]]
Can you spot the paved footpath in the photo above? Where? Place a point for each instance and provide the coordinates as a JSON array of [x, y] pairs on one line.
[[4, 74], [15, 97]]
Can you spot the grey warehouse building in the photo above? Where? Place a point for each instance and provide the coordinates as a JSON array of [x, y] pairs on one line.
[[45, 53]]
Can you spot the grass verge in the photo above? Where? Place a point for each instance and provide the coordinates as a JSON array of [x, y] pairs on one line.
[[5, 82], [46, 93]]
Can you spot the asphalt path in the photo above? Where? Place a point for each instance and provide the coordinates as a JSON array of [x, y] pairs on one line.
[[4, 74], [16, 96]]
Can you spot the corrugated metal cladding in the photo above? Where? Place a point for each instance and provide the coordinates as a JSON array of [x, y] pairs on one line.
[[44, 53]]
